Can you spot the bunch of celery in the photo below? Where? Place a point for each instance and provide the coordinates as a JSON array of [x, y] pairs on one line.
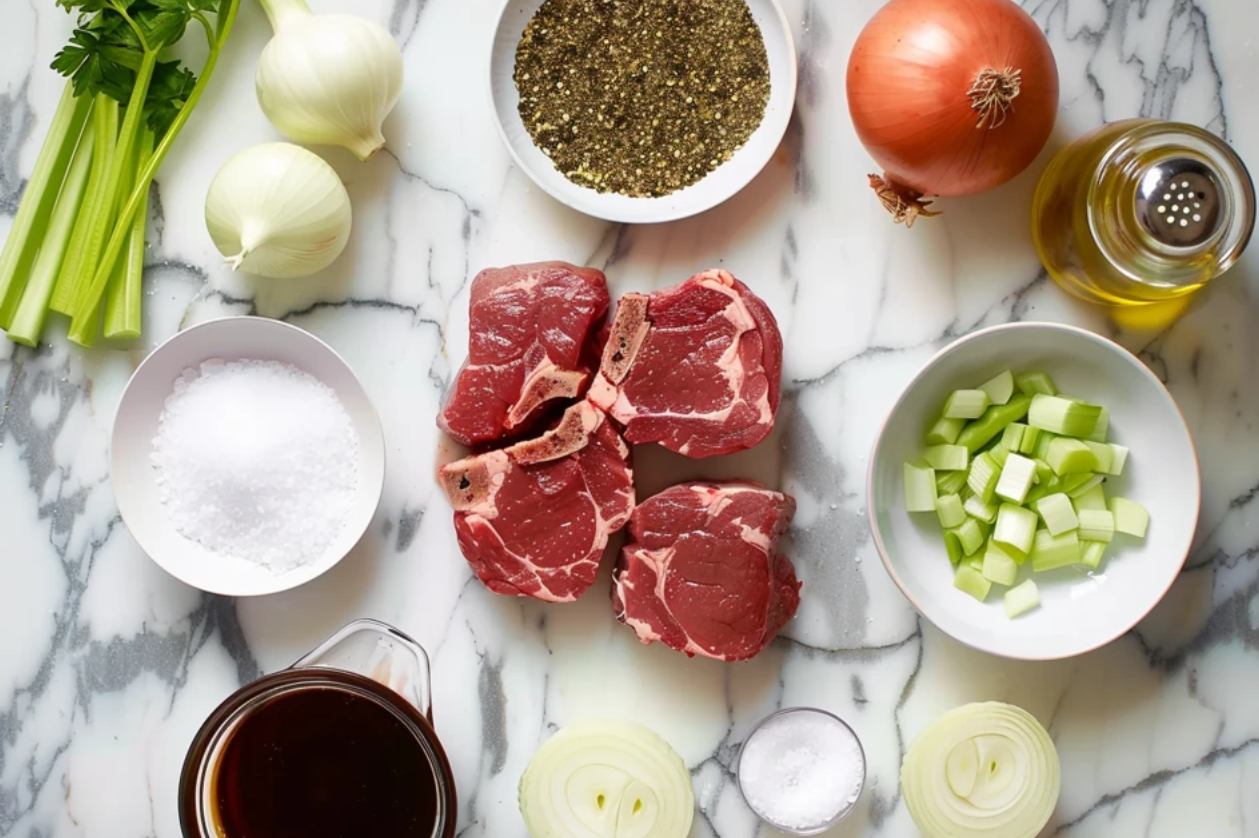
[[77, 242]]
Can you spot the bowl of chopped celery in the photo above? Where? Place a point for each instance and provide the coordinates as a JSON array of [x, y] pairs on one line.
[[1034, 491]]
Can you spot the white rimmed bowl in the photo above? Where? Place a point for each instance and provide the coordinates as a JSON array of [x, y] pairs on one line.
[[1079, 610], [719, 185], [136, 423]]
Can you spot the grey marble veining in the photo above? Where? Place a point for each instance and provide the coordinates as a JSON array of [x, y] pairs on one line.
[[108, 666]]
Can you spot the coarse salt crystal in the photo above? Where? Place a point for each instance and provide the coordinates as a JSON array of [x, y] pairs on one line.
[[256, 460], [801, 769]]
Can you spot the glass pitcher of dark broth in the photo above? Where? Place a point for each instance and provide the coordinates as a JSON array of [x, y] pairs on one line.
[[340, 745]]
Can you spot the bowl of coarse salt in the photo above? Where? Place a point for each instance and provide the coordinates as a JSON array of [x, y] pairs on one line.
[[246, 457]]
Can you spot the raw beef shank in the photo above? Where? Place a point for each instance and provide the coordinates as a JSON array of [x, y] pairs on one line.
[[700, 571], [695, 367], [533, 519], [532, 341]]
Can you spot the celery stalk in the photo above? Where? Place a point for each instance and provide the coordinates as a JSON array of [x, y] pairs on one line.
[[950, 482], [971, 535], [122, 305], [971, 581], [1083, 487], [83, 326], [976, 507], [984, 473], [1119, 457], [999, 388], [1057, 513], [1031, 383], [105, 128], [1091, 553], [40, 196], [965, 404], [1097, 525], [1016, 478], [949, 509], [945, 431], [1093, 498], [1105, 455], [1103, 425], [980, 432], [1012, 436], [1070, 456], [1021, 598], [1050, 552], [1030, 437], [28, 320], [1131, 518], [999, 567], [920, 489], [1016, 527], [1062, 416], [953, 547], [947, 457]]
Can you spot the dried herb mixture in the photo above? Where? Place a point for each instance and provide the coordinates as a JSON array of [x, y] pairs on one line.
[[641, 97]]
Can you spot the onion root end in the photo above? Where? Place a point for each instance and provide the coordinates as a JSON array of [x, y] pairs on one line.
[[905, 204]]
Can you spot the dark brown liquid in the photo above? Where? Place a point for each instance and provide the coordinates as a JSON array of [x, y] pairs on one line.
[[321, 762]]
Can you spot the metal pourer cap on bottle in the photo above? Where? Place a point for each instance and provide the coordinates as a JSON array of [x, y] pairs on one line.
[[1181, 202]]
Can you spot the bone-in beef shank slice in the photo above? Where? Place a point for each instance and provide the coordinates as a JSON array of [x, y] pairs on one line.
[[532, 329], [701, 572], [534, 519], [696, 367]]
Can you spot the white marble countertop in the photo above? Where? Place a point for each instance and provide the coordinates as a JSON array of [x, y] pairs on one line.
[[108, 666]]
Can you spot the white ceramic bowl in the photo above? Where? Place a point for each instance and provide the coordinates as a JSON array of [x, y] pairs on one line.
[[1079, 611], [719, 185], [136, 423]]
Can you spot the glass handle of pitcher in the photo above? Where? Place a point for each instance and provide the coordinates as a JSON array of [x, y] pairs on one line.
[[380, 652]]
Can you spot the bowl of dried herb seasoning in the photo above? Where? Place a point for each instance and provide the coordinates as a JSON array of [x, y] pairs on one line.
[[642, 111]]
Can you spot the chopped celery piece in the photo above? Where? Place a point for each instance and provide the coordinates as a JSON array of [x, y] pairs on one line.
[[1104, 453], [976, 562], [1010, 553], [1083, 487], [1119, 455], [983, 477], [1097, 525], [1050, 552], [948, 457], [999, 567], [1016, 527], [971, 581], [1062, 416], [1131, 518], [999, 454], [1070, 456], [950, 482], [1021, 598], [1072, 482], [999, 388], [971, 536], [1042, 443], [1103, 425], [945, 431], [1031, 383], [979, 433], [920, 489], [1016, 478], [1057, 513], [1091, 553], [1043, 471], [1030, 437], [965, 404], [953, 547], [1094, 498], [977, 507], [1012, 437], [949, 510]]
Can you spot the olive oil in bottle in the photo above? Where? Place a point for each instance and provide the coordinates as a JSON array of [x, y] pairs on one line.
[[1141, 212]]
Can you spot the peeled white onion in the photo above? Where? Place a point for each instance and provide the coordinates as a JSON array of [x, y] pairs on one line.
[[606, 780], [278, 210], [986, 770], [328, 79]]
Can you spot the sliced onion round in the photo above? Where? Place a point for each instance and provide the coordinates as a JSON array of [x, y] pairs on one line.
[[986, 770], [606, 780]]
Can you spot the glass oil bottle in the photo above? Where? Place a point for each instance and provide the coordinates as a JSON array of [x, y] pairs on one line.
[[1142, 212]]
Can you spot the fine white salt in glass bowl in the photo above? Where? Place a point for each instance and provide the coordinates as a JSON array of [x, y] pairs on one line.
[[716, 187], [801, 770], [136, 424]]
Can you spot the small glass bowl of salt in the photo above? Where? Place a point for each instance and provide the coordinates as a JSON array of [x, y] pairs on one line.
[[801, 770]]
